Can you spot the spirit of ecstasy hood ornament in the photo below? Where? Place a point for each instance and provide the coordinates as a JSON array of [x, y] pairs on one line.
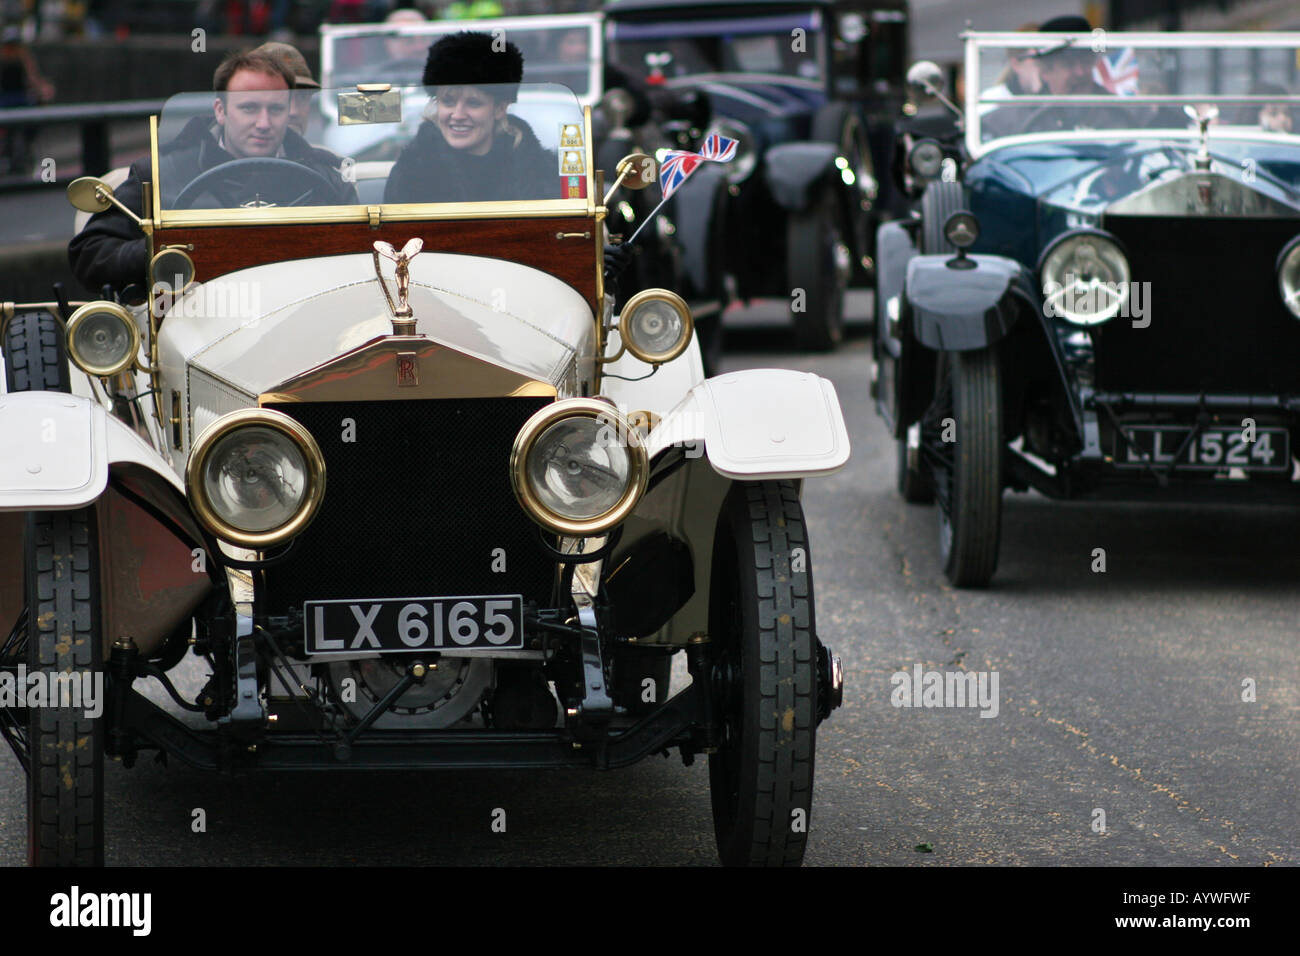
[[403, 320], [1203, 116]]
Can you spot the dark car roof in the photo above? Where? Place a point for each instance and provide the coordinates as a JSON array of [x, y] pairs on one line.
[[616, 7]]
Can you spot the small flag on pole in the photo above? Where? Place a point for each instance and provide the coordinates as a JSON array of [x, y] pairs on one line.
[[679, 164], [676, 167], [719, 148]]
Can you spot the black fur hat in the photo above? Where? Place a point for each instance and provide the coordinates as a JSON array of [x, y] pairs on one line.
[[474, 59]]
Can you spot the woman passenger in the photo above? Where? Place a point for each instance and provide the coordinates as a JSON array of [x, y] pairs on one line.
[[470, 149]]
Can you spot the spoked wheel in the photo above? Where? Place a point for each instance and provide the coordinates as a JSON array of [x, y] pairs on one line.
[[65, 779], [819, 264], [967, 469], [764, 654]]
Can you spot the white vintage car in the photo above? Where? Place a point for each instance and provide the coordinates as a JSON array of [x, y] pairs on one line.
[[419, 494]]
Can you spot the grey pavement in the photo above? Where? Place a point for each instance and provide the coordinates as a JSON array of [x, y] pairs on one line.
[[1118, 692]]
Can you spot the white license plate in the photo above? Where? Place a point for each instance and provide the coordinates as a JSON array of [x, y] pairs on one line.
[[460, 625], [1212, 450]]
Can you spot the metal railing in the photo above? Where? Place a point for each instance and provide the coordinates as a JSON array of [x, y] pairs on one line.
[[94, 120]]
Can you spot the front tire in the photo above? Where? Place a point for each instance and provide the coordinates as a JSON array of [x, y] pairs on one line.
[[65, 784], [815, 250], [968, 479], [35, 355], [939, 201], [763, 646]]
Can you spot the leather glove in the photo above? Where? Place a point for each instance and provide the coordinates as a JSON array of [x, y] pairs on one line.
[[617, 259]]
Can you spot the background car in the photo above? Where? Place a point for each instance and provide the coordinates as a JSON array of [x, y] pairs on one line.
[[810, 89], [409, 492], [1105, 303]]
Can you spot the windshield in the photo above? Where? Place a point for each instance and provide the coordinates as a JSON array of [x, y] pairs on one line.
[[787, 44], [563, 50], [311, 148], [1024, 84]]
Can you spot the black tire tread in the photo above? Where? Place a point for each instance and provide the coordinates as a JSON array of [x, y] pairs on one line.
[[35, 355], [65, 788], [939, 201], [820, 326], [977, 399], [786, 677]]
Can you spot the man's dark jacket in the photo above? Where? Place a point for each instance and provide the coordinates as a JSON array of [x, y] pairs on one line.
[[516, 167], [111, 250]]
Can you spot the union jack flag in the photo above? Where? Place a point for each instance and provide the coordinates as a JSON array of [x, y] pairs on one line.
[[718, 148], [679, 164], [1117, 71]]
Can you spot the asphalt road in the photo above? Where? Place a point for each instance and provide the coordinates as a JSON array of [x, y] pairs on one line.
[[1118, 691]]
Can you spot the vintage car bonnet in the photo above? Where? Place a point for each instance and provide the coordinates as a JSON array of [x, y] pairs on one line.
[[256, 329]]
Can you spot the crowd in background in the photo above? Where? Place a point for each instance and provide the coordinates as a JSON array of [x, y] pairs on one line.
[[55, 19]]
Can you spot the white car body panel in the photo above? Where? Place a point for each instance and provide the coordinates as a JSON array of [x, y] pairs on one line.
[[67, 444], [658, 393], [760, 424]]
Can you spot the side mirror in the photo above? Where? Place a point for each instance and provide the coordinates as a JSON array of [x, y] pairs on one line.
[[635, 171], [92, 195], [925, 78], [638, 170]]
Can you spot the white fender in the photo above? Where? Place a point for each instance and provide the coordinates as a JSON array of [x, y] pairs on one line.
[[58, 449], [759, 424]]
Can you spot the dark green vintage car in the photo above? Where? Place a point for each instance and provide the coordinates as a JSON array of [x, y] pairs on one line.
[[810, 88], [1101, 298]]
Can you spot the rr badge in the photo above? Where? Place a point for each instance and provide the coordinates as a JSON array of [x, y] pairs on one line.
[[408, 370]]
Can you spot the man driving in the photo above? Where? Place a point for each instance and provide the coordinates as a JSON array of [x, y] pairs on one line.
[[1067, 69], [250, 121]]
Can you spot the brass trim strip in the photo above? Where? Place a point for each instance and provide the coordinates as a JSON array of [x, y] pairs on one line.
[[156, 211], [155, 202], [591, 162], [369, 373], [395, 212]]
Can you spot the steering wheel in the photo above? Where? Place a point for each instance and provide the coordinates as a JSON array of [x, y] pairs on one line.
[[1045, 119], [260, 181], [1054, 117]]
